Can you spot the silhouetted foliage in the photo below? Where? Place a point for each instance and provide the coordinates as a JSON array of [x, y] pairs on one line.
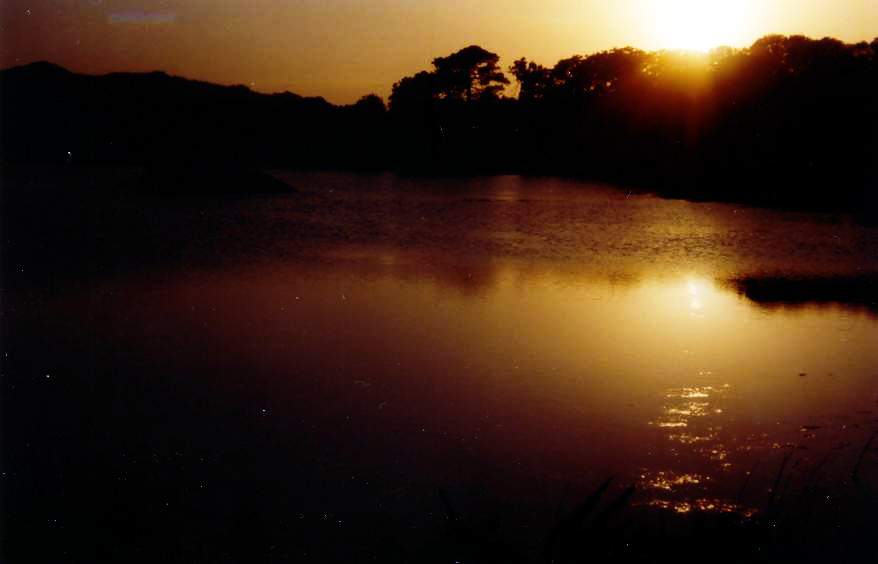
[[453, 119], [534, 80], [788, 121], [469, 74]]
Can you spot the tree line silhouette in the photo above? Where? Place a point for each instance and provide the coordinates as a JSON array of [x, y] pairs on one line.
[[787, 121]]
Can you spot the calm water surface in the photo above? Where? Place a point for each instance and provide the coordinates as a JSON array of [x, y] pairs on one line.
[[514, 341]]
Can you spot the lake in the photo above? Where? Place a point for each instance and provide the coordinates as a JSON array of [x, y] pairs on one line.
[[300, 375]]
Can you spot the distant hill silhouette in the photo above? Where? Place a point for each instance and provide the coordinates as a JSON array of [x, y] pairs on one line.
[[51, 115], [788, 121]]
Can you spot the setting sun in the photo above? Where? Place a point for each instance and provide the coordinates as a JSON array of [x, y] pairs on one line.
[[699, 25]]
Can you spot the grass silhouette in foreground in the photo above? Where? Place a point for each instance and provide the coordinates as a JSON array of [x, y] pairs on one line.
[[800, 520]]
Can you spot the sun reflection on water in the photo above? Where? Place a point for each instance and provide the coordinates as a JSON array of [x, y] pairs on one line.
[[704, 505], [692, 418], [688, 403], [667, 480], [695, 288]]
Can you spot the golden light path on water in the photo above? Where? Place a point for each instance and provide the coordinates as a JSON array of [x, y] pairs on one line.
[[694, 420], [512, 336], [674, 383]]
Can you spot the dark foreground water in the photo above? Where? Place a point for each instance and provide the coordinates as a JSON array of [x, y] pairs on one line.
[[298, 377]]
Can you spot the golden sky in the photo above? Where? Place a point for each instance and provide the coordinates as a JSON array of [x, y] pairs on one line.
[[342, 49]]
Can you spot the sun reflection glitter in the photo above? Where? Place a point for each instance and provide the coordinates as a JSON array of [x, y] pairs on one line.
[[691, 415], [689, 404], [666, 480], [698, 291], [707, 505]]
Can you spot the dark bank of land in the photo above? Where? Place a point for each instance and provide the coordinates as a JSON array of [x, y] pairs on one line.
[[787, 122], [857, 291]]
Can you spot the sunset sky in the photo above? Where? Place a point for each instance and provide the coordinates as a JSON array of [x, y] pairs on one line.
[[342, 49]]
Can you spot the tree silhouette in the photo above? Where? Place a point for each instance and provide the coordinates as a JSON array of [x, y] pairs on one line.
[[412, 93], [471, 73], [534, 80]]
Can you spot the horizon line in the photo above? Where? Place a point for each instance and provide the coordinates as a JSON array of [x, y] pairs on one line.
[[251, 86]]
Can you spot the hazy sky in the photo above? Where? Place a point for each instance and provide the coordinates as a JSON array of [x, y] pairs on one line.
[[342, 49]]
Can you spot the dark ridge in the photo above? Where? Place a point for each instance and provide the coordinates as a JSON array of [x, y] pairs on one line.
[[49, 115], [37, 68]]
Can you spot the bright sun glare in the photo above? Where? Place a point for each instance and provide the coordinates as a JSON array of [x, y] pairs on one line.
[[699, 25]]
